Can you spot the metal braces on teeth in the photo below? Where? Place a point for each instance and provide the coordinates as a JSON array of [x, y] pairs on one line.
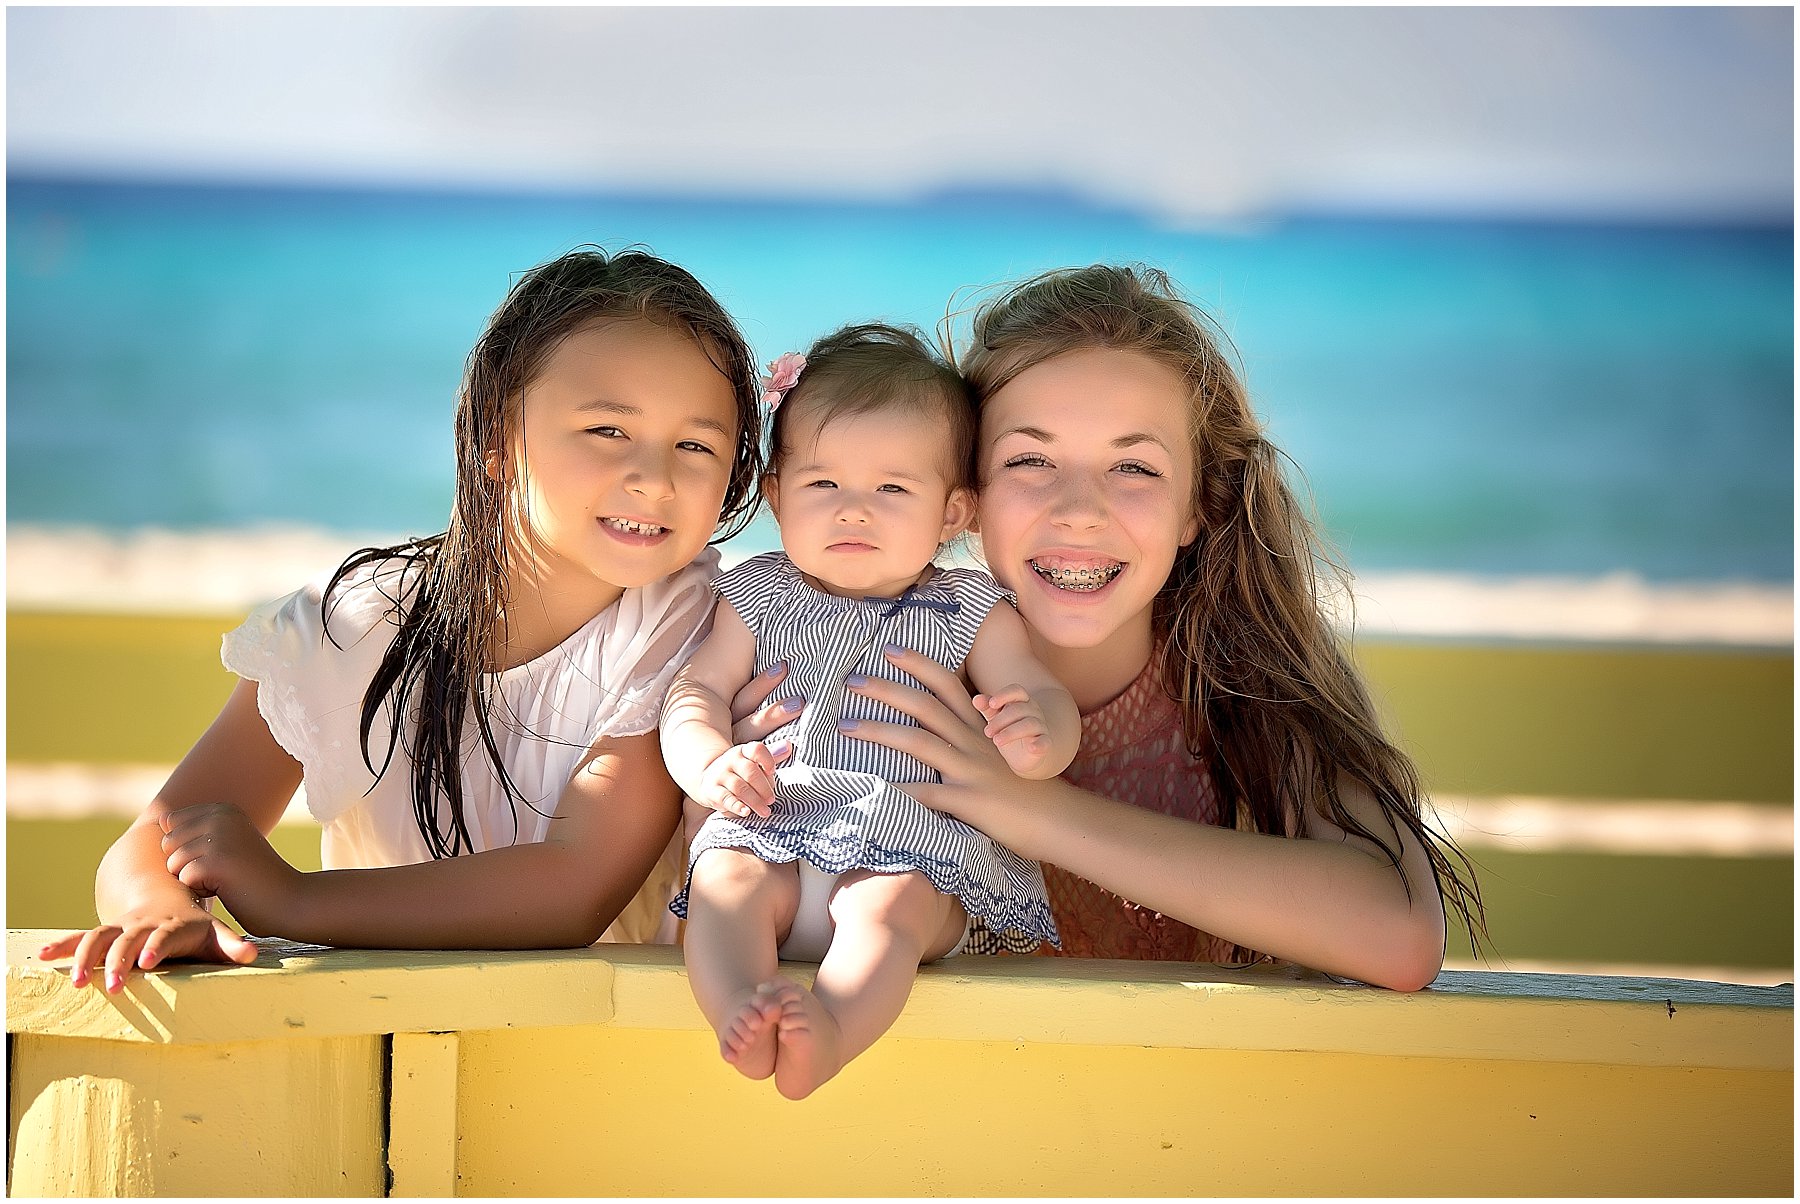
[[1081, 579]]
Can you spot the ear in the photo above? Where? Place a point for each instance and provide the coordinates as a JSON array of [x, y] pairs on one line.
[[1191, 532], [959, 513], [771, 492], [492, 463]]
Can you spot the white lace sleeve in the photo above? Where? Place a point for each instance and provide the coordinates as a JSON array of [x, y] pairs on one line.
[[650, 635], [310, 686]]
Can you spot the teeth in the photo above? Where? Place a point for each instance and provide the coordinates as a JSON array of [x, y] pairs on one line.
[[623, 524], [1080, 580]]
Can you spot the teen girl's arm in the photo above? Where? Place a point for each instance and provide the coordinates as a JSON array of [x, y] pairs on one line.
[[1029, 716], [147, 915], [696, 727], [1331, 900]]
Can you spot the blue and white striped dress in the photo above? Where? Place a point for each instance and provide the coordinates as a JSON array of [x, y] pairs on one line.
[[836, 802]]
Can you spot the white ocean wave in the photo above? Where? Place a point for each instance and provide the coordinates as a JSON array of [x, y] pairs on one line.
[[154, 571]]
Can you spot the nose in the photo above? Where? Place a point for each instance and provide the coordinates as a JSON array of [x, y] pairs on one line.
[[852, 509], [651, 474], [1079, 505]]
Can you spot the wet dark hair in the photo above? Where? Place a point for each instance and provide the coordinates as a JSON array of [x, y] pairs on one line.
[[436, 666], [874, 367], [1243, 643]]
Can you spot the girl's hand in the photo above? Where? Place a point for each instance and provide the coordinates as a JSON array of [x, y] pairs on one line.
[[740, 781], [751, 720], [951, 738], [214, 849], [145, 938], [1017, 726]]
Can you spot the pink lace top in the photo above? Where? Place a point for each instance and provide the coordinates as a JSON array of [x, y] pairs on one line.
[[1133, 750]]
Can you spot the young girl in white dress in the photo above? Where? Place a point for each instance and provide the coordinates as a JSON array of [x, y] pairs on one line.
[[473, 715], [814, 851]]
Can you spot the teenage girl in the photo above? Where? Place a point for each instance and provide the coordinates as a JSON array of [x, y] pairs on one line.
[[1234, 795], [473, 715], [828, 858]]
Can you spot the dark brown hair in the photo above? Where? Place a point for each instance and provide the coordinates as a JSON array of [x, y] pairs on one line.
[[1244, 644], [436, 666], [874, 367]]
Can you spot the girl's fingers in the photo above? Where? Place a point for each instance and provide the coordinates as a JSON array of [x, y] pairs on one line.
[[181, 855], [122, 957], [915, 742], [747, 701], [769, 719], [90, 953], [928, 711], [156, 948], [940, 681], [61, 947], [234, 946]]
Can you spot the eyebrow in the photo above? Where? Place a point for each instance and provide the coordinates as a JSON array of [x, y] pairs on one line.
[[896, 473], [599, 406], [1129, 439]]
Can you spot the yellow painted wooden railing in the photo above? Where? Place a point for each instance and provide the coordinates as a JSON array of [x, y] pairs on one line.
[[319, 1072]]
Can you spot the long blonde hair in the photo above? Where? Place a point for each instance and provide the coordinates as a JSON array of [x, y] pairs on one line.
[[1243, 642]]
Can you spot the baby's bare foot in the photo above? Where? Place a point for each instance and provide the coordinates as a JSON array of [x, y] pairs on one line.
[[807, 1040], [747, 1038]]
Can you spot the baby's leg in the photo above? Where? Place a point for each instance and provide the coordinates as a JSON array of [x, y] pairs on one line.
[[885, 926], [740, 908]]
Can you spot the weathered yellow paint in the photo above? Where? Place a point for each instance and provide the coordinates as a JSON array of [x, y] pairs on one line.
[[300, 1117], [422, 1136], [304, 990], [659, 1114], [591, 1072]]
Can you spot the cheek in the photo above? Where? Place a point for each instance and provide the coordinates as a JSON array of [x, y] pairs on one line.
[[998, 512]]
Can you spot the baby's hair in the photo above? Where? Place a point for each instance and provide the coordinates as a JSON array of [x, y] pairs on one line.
[[436, 665], [873, 368], [1245, 645]]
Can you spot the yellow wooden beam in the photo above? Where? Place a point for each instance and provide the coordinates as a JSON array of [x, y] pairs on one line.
[[591, 1072], [422, 1115]]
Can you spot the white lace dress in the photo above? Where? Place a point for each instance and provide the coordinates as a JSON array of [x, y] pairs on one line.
[[607, 679]]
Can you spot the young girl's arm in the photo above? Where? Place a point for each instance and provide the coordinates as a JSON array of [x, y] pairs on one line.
[[613, 821], [1029, 716], [696, 726], [1331, 901], [147, 915]]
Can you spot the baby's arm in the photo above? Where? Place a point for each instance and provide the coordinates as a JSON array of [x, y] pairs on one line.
[[1030, 717], [696, 725]]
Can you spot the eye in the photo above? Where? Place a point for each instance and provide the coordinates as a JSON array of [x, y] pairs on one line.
[[606, 432], [1025, 460], [820, 484], [890, 489], [1136, 468], [694, 445]]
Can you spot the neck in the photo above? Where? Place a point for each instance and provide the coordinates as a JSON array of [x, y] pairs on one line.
[[545, 605], [1097, 675]]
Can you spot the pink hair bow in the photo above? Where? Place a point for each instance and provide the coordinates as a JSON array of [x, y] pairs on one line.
[[784, 374]]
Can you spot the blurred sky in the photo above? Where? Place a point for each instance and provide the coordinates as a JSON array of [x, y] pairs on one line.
[[1194, 114]]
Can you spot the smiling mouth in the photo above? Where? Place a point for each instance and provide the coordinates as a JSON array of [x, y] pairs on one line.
[[632, 528], [1078, 579]]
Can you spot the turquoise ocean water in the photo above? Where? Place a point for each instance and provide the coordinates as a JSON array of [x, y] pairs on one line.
[[1486, 398]]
